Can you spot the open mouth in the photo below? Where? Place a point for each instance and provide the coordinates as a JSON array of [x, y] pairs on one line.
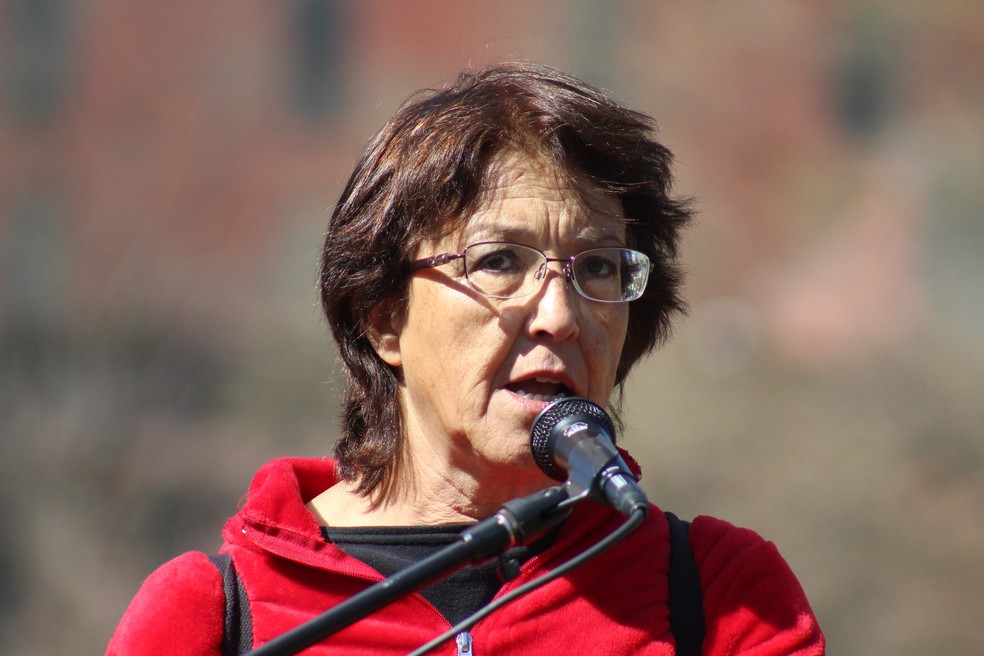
[[540, 389]]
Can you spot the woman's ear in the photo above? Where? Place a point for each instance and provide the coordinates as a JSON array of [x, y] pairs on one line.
[[385, 324]]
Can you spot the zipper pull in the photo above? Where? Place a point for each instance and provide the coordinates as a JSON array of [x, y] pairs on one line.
[[464, 641]]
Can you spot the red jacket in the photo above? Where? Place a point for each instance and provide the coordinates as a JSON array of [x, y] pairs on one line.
[[614, 604]]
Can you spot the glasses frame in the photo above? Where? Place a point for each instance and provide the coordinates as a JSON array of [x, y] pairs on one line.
[[445, 258]]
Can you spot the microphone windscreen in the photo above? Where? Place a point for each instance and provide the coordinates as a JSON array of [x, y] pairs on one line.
[[543, 435]]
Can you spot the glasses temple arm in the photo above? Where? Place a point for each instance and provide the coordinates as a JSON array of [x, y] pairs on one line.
[[435, 261]]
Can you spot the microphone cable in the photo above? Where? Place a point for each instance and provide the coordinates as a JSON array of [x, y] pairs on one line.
[[619, 534]]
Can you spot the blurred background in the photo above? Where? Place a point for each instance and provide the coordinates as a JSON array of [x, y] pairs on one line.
[[166, 170]]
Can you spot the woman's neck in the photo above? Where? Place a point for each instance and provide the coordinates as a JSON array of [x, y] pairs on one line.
[[426, 494]]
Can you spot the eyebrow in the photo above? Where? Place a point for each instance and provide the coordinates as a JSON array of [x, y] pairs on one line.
[[589, 234]]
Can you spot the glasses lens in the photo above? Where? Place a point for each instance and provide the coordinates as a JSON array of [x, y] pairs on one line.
[[610, 274], [506, 270], [501, 269]]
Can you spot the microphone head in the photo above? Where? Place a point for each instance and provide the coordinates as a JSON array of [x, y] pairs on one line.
[[543, 436]]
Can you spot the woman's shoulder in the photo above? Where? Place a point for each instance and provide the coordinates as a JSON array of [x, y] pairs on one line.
[[731, 556], [750, 591], [722, 548], [711, 535], [178, 609]]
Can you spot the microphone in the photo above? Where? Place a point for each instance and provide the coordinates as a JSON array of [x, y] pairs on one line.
[[574, 438]]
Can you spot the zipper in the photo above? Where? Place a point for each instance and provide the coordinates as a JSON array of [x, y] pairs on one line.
[[464, 642]]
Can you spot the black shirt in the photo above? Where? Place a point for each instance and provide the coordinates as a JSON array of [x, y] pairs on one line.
[[390, 549]]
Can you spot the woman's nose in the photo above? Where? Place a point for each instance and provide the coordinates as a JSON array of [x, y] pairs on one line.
[[554, 308]]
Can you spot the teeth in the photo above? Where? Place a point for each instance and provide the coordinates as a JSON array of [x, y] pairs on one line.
[[542, 397], [541, 379]]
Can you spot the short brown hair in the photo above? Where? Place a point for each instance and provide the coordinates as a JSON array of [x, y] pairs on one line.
[[422, 175]]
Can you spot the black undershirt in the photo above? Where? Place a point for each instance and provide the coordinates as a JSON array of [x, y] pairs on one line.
[[391, 549]]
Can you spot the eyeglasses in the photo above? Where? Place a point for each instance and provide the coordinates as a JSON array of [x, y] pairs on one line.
[[505, 270]]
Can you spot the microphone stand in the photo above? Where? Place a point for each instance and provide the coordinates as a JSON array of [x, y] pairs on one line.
[[515, 523]]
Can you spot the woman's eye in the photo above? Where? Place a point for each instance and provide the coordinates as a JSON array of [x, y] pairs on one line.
[[598, 267], [500, 260]]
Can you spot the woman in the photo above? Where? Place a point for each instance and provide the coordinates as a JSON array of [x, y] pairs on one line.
[[487, 256]]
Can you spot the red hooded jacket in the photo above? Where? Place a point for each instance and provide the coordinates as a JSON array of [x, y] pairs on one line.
[[614, 604]]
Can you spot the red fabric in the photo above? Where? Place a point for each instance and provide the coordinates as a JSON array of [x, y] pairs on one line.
[[179, 610], [615, 604]]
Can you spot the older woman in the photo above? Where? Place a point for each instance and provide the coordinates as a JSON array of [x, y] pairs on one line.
[[502, 243]]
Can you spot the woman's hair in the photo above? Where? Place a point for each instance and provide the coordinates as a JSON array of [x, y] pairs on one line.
[[423, 175]]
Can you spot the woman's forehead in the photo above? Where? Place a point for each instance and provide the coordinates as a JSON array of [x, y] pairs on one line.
[[524, 190]]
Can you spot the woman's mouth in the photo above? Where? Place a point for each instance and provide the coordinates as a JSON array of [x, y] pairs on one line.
[[541, 389]]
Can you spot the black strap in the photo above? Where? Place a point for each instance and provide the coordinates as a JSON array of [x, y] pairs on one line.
[[237, 636], [686, 599]]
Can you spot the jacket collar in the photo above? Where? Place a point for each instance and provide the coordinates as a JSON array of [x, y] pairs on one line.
[[275, 518]]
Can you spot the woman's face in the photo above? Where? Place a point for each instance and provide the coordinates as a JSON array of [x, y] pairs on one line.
[[476, 370]]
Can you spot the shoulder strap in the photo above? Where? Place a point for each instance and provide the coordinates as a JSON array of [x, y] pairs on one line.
[[237, 637], [686, 599]]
